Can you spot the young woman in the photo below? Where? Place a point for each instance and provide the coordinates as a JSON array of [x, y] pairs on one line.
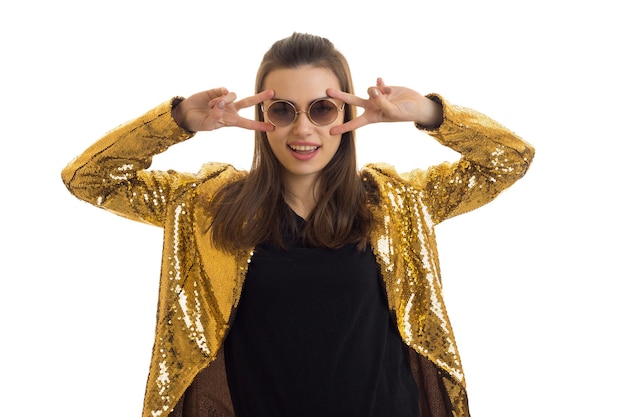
[[303, 287]]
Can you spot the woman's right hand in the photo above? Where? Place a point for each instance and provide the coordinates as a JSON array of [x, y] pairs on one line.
[[216, 108]]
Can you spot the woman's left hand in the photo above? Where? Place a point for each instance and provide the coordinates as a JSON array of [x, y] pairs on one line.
[[389, 104]]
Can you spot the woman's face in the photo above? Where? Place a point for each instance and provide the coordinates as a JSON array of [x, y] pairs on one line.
[[302, 147]]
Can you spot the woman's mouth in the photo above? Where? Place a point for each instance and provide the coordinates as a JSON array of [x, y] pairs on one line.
[[303, 148]]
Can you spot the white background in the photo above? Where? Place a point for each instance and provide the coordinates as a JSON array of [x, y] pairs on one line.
[[532, 281]]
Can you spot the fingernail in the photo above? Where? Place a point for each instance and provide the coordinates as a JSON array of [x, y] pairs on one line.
[[375, 92], [221, 104]]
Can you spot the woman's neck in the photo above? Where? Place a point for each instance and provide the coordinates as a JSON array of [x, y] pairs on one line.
[[300, 195]]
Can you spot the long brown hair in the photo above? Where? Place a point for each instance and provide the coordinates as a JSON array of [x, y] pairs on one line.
[[252, 210]]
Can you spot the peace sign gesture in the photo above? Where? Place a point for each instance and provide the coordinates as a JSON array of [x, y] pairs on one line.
[[216, 108], [389, 104]]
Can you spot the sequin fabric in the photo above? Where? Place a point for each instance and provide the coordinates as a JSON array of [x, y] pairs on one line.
[[200, 286]]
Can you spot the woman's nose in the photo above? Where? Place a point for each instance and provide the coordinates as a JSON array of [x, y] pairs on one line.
[[302, 124]]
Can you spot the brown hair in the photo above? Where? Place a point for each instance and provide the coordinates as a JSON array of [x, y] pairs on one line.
[[252, 210]]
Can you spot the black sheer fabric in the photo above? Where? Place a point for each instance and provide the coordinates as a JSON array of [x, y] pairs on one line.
[[313, 336]]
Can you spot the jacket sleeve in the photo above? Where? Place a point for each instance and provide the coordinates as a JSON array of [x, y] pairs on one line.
[[493, 158], [112, 173]]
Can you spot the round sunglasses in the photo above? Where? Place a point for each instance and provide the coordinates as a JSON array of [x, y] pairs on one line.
[[321, 112]]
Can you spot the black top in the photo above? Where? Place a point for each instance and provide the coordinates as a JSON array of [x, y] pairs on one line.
[[313, 336]]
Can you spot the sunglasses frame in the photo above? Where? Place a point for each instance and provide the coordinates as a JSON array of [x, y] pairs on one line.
[[307, 111]]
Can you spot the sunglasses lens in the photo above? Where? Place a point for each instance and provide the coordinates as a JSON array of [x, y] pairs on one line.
[[281, 113], [323, 112]]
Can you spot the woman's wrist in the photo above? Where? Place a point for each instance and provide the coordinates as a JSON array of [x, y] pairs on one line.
[[176, 113], [432, 114]]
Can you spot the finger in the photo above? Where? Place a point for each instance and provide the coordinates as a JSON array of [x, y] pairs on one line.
[[373, 92], [379, 97], [255, 125], [217, 110], [229, 98], [384, 107], [254, 100], [346, 97], [222, 101], [353, 124], [264, 95], [382, 87], [213, 95], [215, 92]]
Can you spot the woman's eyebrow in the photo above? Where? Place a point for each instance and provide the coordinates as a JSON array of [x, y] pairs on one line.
[[273, 99]]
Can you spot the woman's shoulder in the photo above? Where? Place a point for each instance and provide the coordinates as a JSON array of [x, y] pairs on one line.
[[213, 169], [214, 175], [385, 175], [380, 171]]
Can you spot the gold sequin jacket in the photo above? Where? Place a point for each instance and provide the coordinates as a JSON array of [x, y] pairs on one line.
[[200, 285]]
